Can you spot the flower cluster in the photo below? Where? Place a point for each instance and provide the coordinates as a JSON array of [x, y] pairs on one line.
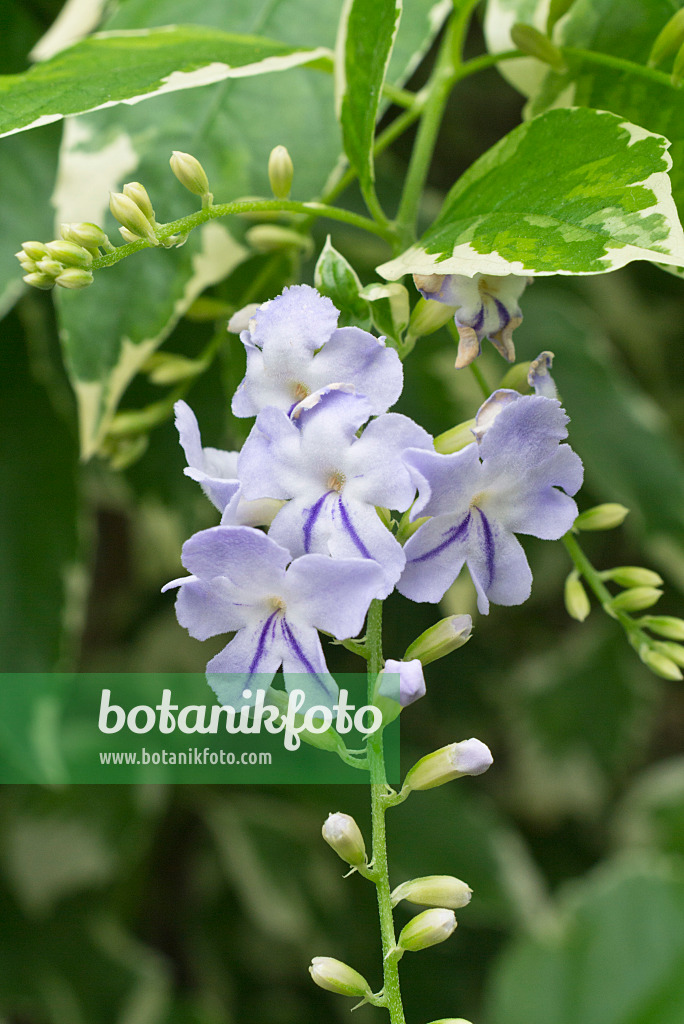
[[322, 469]]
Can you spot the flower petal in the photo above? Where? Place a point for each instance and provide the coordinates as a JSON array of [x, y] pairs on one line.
[[445, 483], [356, 357], [210, 607], [246, 556], [497, 564], [332, 594], [434, 557], [376, 473], [304, 665]]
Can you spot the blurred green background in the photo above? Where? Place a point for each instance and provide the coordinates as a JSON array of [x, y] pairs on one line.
[[162, 905]]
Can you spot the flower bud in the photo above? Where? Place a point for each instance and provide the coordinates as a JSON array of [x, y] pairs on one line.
[[602, 517], [74, 277], [633, 576], [659, 663], [272, 238], [128, 213], [557, 8], [576, 600], [456, 438], [427, 929], [190, 173], [678, 69], [89, 235], [408, 687], [671, 650], [26, 263], [343, 835], [445, 636], [668, 40], [139, 195], [50, 267], [428, 316], [34, 250], [335, 976], [434, 891], [530, 40], [38, 280], [636, 599], [664, 625], [469, 757], [239, 321], [130, 236], [69, 253], [168, 368], [280, 172]]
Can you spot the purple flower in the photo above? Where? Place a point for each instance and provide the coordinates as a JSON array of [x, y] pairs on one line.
[[294, 348], [411, 682], [213, 469], [480, 497], [241, 582], [333, 479], [485, 307]]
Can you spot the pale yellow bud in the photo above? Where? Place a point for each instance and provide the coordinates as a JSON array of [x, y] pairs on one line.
[[280, 172], [427, 929], [128, 213], [530, 40], [428, 316], [34, 250], [437, 641], [576, 600], [336, 976], [343, 835], [636, 599], [89, 235], [38, 280], [138, 193], [469, 757], [664, 625], [659, 663], [272, 238], [633, 576], [69, 253], [456, 438], [190, 173], [74, 277], [602, 517], [50, 267], [671, 650], [434, 891]]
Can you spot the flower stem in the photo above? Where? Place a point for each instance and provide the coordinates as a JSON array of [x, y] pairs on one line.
[[376, 759]]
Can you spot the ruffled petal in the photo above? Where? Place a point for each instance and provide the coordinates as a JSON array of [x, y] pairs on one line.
[[356, 357], [332, 594], [299, 318], [525, 432], [246, 556], [376, 473]]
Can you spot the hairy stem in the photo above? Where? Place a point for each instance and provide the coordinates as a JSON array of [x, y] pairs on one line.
[[376, 759]]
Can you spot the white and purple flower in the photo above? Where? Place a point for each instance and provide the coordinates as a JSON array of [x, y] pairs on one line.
[[485, 306], [518, 478], [295, 348], [333, 480], [243, 581]]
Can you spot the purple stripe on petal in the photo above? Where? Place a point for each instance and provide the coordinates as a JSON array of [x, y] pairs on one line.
[[504, 315], [261, 645], [489, 547], [349, 527], [453, 534], [293, 644], [479, 319], [310, 521]]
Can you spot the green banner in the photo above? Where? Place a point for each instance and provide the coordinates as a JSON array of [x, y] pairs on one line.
[[62, 728]]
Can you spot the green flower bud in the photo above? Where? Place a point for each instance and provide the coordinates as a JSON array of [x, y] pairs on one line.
[[671, 650], [427, 929], [69, 253], [659, 663], [130, 236], [168, 368], [28, 265], [636, 599], [38, 280], [280, 172], [74, 277], [531, 40], [343, 835], [456, 438], [428, 316], [335, 976], [633, 576], [668, 40], [190, 173], [86, 234], [664, 625], [139, 194], [576, 600], [445, 636], [602, 517], [434, 891], [50, 267], [272, 238], [128, 213], [34, 250], [557, 8], [469, 757]]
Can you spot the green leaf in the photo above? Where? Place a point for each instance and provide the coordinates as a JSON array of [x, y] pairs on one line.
[[390, 310], [362, 54], [126, 67], [337, 279], [618, 956], [531, 205]]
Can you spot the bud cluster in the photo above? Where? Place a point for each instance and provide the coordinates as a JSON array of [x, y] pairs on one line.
[[66, 261], [133, 209]]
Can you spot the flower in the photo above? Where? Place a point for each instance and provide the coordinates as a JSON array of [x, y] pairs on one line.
[[295, 348], [480, 497], [241, 581], [485, 307], [333, 479]]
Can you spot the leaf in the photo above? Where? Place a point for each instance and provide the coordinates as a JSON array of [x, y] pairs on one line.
[[532, 206], [334, 277], [362, 54], [126, 67], [231, 128], [618, 957]]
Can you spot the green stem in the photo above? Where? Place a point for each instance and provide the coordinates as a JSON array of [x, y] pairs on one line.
[[376, 760], [618, 64], [186, 224]]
